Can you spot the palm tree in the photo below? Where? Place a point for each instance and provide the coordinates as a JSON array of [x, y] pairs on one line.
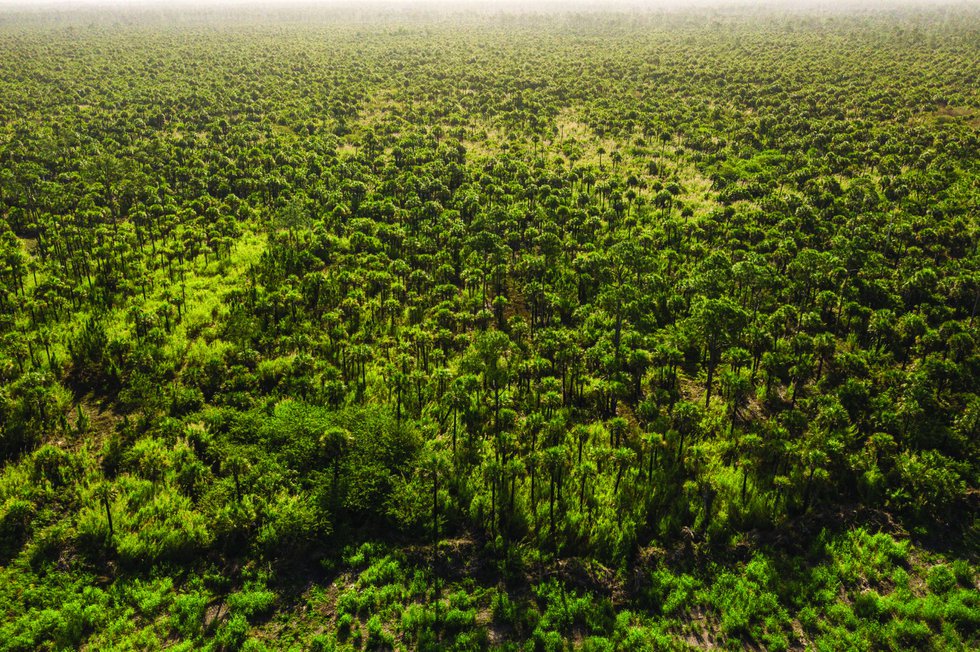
[[106, 493], [236, 465], [334, 443]]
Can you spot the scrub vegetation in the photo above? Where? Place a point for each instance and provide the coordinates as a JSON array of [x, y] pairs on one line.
[[431, 331]]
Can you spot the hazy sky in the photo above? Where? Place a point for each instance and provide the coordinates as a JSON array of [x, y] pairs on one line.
[[480, 6], [486, 4]]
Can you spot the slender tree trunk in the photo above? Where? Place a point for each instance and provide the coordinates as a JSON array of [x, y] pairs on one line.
[[108, 514]]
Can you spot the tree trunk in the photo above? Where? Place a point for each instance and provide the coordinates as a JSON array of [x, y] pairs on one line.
[[108, 514]]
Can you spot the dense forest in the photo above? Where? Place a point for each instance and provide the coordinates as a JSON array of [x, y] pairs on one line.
[[341, 330]]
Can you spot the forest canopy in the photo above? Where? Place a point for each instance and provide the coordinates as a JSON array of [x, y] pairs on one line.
[[347, 330]]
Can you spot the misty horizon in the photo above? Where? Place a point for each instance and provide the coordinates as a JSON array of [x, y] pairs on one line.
[[495, 6], [489, 325]]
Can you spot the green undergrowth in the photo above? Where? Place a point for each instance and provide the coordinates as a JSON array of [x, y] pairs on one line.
[[852, 590]]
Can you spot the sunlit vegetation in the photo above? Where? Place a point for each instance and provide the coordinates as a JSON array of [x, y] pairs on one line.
[[598, 332]]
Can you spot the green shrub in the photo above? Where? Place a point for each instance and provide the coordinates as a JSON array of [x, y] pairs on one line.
[[294, 522], [347, 602], [415, 618], [232, 633], [746, 606], [46, 545], [458, 619], [904, 634], [55, 466], [187, 614], [900, 578], [562, 611], [65, 627], [546, 640], [808, 618], [868, 605], [251, 602], [503, 609], [470, 641], [344, 623], [931, 609], [362, 555], [645, 638], [16, 517], [841, 614], [774, 639], [597, 644], [377, 637], [323, 643], [963, 572], [157, 523], [384, 571], [940, 579], [368, 600], [860, 555], [962, 610], [670, 593], [388, 595], [840, 638]]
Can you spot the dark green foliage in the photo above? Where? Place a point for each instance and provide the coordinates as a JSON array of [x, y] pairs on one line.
[[324, 330]]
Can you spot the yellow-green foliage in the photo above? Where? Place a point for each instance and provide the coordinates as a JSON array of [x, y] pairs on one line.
[[347, 330]]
